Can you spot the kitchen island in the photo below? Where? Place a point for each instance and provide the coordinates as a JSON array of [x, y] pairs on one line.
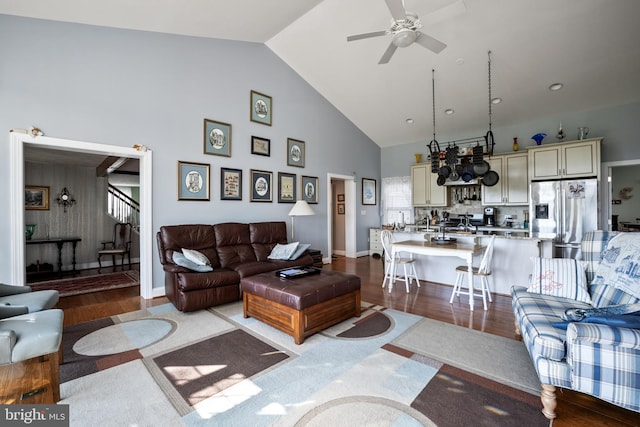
[[511, 258]]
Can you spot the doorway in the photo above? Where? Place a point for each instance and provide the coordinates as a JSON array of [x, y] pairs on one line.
[[18, 141], [621, 194], [349, 215]]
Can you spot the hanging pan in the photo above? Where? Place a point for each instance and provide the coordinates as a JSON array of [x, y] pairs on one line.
[[490, 178], [481, 168]]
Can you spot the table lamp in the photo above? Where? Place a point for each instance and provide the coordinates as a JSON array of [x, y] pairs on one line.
[[301, 208]]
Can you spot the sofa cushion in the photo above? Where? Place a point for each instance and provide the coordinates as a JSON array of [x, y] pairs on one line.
[[538, 316], [196, 257], [562, 277], [265, 235], [183, 261], [619, 266], [299, 251], [200, 237], [233, 244], [193, 281], [283, 252], [591, 247]]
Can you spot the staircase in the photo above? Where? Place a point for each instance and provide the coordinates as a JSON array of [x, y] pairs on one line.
[[122, 207]]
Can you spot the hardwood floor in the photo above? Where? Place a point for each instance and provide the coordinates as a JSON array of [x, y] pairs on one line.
[[430, 300]]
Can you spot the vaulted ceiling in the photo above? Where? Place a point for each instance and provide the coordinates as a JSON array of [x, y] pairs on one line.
[[591, 46]]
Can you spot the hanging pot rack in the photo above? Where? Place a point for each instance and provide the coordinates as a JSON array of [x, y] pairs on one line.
[[443, 162]]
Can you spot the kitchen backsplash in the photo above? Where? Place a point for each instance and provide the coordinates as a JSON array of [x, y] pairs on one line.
[[474, 207]]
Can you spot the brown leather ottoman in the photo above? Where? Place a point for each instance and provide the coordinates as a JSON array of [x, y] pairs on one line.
[[303, 306]]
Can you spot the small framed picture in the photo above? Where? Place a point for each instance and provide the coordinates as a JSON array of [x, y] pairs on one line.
[[368, 191], [217, 138], [341, 197], [261, 186], [260, 108], [230, 184], [340, 208], [287, 187], [193, 181], [309, 188], [36, 198], [260, 146], [295, 152]]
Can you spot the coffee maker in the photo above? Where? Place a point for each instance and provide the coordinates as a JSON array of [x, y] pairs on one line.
[[489, 217]]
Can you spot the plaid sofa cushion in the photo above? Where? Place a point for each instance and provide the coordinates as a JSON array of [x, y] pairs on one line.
[[536, 314], [605, 362]]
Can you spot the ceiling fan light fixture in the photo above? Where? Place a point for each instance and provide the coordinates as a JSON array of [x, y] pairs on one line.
[[404, 37], [555, 87]]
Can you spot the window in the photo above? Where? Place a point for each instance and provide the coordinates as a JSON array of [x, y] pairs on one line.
[[396, 200]]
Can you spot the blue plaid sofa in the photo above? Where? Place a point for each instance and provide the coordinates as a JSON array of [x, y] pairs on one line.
[[596, 359]]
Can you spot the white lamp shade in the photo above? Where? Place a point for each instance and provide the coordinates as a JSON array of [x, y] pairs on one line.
[[301, 208]]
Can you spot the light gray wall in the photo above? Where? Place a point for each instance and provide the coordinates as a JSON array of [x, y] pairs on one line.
[[619, 126], [122, 88]]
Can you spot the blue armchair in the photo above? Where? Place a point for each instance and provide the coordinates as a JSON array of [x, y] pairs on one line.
[[17, 300]]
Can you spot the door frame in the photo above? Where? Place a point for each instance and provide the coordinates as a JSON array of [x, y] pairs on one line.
[[350, 215], [17, 142], [606, 191]]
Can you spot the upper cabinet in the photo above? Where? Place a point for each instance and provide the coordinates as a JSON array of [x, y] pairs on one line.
[[425, 189], [513, 186], [565, 160]]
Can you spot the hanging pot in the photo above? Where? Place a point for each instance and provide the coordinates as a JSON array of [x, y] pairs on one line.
[[441, 180], [467, 175], [481, 168], [491, 178], [444, 171]]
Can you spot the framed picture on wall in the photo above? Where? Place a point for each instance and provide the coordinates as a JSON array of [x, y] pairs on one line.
[[309, 188], [217, 138], [340, 208], [230, 184], [261, 106], [261, 186], [341, 197], [36, 197], [368, 191], [287, 187], [260, 146], [193, 181], [295, 152]]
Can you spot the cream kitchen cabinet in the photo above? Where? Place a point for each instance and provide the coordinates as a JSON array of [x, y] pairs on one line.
[[425, 190], [375, 242], [513, 186], [565, 160]]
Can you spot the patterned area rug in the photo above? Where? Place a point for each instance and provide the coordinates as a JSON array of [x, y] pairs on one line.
[[87, 284], [217, 368]]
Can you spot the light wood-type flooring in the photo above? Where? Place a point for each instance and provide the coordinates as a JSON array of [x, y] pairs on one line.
[[430, 300]]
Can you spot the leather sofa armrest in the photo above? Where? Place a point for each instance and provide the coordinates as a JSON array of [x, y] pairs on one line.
[[173, 268], [7, 342], [13, 290], [12, 310]]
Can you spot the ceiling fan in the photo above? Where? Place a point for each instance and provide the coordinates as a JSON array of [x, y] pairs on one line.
[[404, 31]]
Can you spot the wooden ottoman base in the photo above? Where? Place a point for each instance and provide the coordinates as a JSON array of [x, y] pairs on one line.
[[302, 323]]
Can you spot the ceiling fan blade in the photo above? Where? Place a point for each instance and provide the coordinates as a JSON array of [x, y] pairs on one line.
[[366, 35], [397, 9], [388, 54], [429, 42]]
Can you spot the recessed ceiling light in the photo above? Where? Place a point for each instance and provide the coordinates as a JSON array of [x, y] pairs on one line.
[[449, 111], [460, 61], [496, 100], [556, 86], [409, 121]]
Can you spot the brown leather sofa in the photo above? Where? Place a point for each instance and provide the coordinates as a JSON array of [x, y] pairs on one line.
[[235, 250]]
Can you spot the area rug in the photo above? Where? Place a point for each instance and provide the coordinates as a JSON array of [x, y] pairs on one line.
[[161, 367], [87, 284]]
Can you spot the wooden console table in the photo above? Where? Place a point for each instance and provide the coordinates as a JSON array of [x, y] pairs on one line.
[[59, 242]]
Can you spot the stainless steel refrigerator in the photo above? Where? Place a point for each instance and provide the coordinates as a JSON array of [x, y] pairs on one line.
[[563, 210]]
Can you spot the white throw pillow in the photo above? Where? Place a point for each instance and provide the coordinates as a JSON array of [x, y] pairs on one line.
[[283, 251], [182, 261], [560, 277], [195, 256], [299, 251], [620, 264]]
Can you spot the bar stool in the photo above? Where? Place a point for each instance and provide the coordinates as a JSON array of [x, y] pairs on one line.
[[483, 272], [407, 264]]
